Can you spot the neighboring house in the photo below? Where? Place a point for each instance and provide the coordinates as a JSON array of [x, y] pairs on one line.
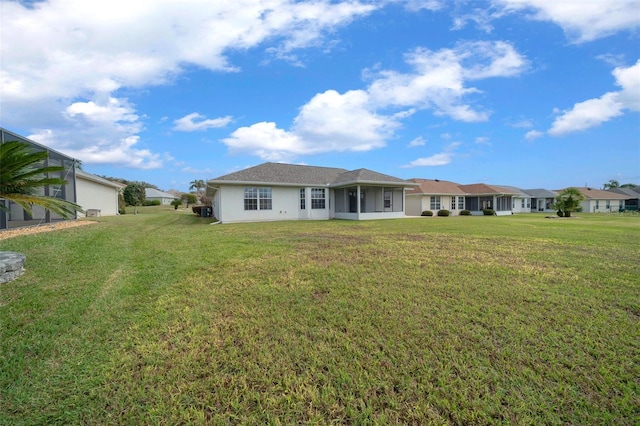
[[96, 195], [434, 195], [275, 191], [542, 200], [601, 201], [154, 194], [633, 201], [16, 216], [520, 201], [481, 196]]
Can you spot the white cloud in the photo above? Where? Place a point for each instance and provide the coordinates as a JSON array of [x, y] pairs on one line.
[[266, 141], [69, 57], [629, 80], [587, 114], [122, 152], [329, 122], [533, 134], [482, 17], [439, 78], [440, 159], [188, 123], [351, 121], [414, 5], [593, 112], [523, 124], [112, 111], [419, 141], [582, 21], [198, 172], [342, 122], [482, 140]]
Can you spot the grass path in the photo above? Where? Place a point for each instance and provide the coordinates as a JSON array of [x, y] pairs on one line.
[[161, 318]]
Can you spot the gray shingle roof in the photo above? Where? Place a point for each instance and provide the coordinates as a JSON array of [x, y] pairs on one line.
[[367, 176], [296, 174], [540, 193], [516, 191], [154, 193], [632, 192]]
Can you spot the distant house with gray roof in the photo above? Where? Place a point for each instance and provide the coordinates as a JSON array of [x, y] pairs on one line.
[[601, 201], [520, 200], [276, 191], [165, 198], [481, 196], [633, 201], [542, 200]]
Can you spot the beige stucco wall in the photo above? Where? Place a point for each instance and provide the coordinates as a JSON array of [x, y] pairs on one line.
[[94, 195], [229, 203]]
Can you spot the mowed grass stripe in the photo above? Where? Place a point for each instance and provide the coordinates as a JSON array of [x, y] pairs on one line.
[[161, 318]]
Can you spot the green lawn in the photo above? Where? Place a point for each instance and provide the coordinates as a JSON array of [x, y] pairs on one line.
[[161, 318]]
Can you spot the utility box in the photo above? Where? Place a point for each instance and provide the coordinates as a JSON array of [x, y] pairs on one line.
[[205, 212], [93, 213]]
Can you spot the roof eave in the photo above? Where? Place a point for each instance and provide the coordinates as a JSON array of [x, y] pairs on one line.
[[372, 182]]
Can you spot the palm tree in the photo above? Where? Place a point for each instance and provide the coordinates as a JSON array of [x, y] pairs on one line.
[[196, 184], [21, 175], [567, 201]]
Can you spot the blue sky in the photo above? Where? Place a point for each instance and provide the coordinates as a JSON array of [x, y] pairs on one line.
[[529, 93]]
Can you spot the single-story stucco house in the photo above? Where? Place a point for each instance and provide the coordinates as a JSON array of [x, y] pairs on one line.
[[277, 191], [601, 201], [542, 200], [520, 200], [155, 194], [434, 195], [94, 194], [633, 201], [481, 196], [97, 196]]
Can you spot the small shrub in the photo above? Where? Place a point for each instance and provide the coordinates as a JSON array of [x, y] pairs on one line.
[[151, 203], [465, 212], [427, 213], [488, 212], [443, 213]]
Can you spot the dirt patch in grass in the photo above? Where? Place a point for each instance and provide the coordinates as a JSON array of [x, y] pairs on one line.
[[48, 227]]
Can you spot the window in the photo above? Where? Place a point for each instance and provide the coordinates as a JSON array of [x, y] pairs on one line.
[[317, 198], [460, 203], [253, 195], [597, 204], [303, 198], [265, 198], [435, 202], [387, 199], [523, 203], [251, 198], [453, 202]]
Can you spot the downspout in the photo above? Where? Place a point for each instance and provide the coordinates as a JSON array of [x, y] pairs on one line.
[[47, 213], [75, 193]]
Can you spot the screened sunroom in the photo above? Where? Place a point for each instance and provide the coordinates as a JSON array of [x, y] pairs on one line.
[[15, 216]]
